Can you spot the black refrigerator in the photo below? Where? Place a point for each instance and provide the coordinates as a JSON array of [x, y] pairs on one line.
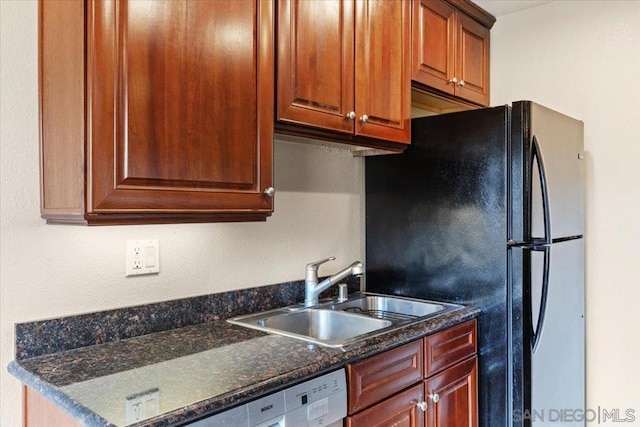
[[486, 208]]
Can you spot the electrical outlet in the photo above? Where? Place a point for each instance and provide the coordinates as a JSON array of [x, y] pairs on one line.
[[143, 257], [142, 405]]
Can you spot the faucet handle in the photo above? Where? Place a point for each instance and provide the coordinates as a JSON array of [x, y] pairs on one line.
[[313, 266]]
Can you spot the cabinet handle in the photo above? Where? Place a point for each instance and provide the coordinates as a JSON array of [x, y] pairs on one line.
[[422, 406], [435, 397], [270, 191], [453, 80], [364, 118], [351, 115], [461, 83]]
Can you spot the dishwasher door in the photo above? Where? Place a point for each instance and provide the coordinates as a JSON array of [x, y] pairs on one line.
[[321, 402]]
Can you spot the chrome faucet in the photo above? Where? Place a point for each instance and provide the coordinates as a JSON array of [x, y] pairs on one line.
[[311, 286]]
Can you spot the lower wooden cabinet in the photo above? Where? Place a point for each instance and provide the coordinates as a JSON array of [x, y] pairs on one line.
[[399, 410], [389, 389], [40, 412], [452, 396]]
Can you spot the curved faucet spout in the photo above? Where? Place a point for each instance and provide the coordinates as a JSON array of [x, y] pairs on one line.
[[312, 289]]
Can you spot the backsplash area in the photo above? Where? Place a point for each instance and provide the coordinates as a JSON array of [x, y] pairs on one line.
[[67, 333]]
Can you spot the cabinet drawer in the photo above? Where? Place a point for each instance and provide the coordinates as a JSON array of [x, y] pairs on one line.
[[380, 376], [448, 347], [399, 410]]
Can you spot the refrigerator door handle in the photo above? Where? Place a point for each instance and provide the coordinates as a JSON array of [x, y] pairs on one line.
[[537, 332], [536, 154]]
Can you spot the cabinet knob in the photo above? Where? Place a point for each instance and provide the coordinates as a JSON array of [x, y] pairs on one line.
[[422, 406], [270, 191], [435, 397], [461, 83], [351, 115], [364, 118], [453, 80]]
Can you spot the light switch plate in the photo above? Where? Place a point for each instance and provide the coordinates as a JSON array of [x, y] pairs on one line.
[[143, 257]]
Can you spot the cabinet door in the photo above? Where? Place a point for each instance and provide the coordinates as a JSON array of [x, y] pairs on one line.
[[452, 396], [397, 411], [434, 33], [180, 100], [383, 74], [315, 63], [472, 62]]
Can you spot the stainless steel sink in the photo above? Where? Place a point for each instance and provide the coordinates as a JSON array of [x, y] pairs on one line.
[[391, 308], [335, 324], [321, 326]]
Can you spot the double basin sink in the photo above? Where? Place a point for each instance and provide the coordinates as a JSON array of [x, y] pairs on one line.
[[336, 324]]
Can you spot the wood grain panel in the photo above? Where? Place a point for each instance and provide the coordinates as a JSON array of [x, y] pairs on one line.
[[457, 390], [61, 105], [315, 63], [448, 347], [448, 44], [153, 109], [434, 38], [179, 93], [380, 376], [383, 74], [192, 86], [397, 411], [40, 412], [473, 61]]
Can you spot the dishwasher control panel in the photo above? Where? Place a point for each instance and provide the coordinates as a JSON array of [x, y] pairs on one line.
[[321, 402], [317, 402]]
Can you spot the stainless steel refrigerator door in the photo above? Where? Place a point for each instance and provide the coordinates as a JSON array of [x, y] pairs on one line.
[[558, 362], [560, 142]]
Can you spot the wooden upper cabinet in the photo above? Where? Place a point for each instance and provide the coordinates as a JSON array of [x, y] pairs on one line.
[[451, 49], [178, 103], [315, 63], [343, 67], [383, 66], [433, 44], [472, 61]]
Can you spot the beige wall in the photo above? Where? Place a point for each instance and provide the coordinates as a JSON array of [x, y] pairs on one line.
[[583, 58], [580, 57], [49, 271]]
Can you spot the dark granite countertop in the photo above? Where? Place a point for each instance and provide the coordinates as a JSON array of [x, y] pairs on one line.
[[199, 369], [90, 364]]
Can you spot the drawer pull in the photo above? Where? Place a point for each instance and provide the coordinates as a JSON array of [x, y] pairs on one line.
[[422, 406], [435, 397]]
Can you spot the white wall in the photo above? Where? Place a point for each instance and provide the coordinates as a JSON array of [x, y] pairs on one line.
[[49, 271], [583, 58]]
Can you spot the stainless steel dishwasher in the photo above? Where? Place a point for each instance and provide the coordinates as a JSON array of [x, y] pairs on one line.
[[321, 401]]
